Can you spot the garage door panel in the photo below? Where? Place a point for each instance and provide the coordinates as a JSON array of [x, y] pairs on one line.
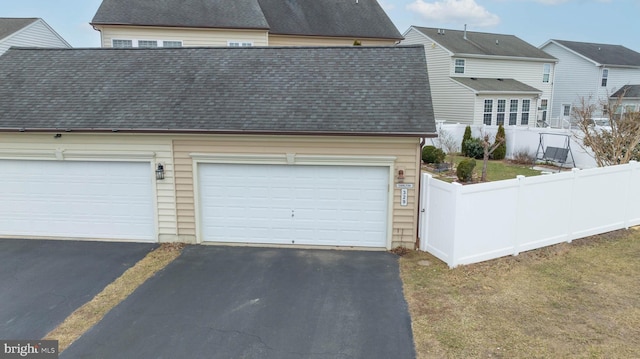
[[110, 200], [312, 205]]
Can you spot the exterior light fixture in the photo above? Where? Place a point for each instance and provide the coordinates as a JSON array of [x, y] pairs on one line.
[[160, 171], [400, 175]]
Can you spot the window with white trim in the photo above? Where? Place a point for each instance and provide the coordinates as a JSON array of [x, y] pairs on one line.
[[239, 44], [488, 112], [459, 66], [546, 73], [524, 116], [605, 77], [513, 112], [566, 110], [502, 104], [146, 43], [122, 43]]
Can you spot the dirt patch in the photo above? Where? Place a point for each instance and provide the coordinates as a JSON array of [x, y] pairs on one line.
[[93, 311], [577, 300]]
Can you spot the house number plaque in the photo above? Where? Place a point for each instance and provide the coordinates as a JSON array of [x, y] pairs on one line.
[[403, 197]]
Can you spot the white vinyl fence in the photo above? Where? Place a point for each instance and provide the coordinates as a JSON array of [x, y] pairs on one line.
[[473, 223], [521, 138]]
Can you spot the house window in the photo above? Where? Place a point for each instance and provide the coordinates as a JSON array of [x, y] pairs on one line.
[[500, 116], [459, 68], [546, 72], [524, 118], [172, 44], [513, 113], [566, 110], [488, 111], [239, 44], [605, 76], [122, 43], [147, 43]]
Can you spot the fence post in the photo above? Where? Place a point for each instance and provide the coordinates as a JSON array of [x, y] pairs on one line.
[[425, 209], [457, 196], [519, 216], [633, 166], [571, 229]]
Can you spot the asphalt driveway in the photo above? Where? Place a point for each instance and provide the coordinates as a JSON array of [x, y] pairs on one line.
[[234, 302], [42, 282]]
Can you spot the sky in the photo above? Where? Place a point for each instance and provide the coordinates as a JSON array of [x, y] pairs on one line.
[[535, 21]]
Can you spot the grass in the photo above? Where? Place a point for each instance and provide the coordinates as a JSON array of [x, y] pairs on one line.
[[496, 170], [579, 300], [93, 311]]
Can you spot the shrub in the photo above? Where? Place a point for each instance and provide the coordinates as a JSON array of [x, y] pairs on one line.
[[473, 148], [501, 151], [465, 169], [523, 157], [431, 154], [465, 137]]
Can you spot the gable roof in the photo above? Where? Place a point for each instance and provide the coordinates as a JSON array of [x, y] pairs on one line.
[[483, 44], [602, 54], [11, 25], [347, 18], [332, 90], [495, 86], [628, 92]]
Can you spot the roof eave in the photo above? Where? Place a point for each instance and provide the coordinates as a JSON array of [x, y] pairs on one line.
[[339, 36], [512, 58], [178, 26], [220, 132]]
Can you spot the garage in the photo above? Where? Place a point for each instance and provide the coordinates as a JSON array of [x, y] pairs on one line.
[[77, 199], [294, 204]]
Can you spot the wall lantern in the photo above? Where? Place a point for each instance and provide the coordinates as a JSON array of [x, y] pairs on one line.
[[400, 175], [160, 172]]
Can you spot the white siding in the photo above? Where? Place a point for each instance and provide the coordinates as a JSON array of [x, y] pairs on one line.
[[37, 34], [451, 101]]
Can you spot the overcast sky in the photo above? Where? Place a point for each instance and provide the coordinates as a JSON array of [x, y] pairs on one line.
[[535, 21]]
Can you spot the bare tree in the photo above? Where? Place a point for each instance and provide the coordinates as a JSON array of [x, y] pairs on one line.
[[613, 145], [448, 143], [488, 149]]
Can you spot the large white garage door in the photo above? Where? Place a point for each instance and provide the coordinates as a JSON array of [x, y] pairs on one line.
[[306, 205], [105, 200]]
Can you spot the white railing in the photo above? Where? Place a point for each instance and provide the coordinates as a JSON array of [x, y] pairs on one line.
[[473, 223]]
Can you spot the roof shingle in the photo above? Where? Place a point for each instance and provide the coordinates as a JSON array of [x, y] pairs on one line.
[[487, 85], [362, 18], [604, 54], [339, 90], [482, 43]]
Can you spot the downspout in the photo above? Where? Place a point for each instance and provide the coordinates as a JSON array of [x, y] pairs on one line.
[[418, 190]]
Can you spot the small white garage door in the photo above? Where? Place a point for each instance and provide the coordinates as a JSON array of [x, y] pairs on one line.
[[104, 200], [306, 205]]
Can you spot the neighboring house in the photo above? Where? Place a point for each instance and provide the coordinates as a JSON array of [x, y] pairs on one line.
[[28, 32], [485, 78], [286, 146], [178, 23], [590, 71], [629, 97]]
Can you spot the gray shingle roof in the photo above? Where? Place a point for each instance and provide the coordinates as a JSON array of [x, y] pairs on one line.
[[482, 43], [348, 18], [485, 85], [10, 25], [604, 54], [333, 90], [628, 91]]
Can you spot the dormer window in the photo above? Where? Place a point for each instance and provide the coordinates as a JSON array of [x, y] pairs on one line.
[[605, 77], [459, 66]]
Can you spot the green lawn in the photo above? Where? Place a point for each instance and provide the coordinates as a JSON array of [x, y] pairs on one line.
[[496, 170]]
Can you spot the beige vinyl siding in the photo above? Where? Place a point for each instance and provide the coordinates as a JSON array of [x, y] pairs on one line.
[[287, 40], [190, 37], [452, 102], [405, 149], [37, 34], [108, 146]]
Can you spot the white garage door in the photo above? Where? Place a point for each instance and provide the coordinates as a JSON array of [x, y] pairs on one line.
[[105, 200], [306, 205]]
